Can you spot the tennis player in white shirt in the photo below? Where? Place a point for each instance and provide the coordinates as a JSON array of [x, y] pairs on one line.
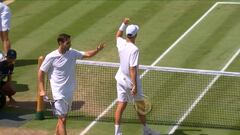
[[60, 66], [128, 70]]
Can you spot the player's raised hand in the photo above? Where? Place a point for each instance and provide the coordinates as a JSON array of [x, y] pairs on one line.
[[126, 21], [101, 46]]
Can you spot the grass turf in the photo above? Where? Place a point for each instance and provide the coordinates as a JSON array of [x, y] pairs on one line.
[[36, 23]]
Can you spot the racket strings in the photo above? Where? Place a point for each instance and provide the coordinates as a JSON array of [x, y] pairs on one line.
[[143, 107]]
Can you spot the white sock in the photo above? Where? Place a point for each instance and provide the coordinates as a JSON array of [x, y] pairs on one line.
[[145, 127], [117, 129]]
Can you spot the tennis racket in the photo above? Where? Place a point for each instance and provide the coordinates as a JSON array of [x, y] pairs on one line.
[[51, 102], [142, 106]]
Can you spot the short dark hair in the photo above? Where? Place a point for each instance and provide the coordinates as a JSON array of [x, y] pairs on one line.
[[63, 37], [129, 35]]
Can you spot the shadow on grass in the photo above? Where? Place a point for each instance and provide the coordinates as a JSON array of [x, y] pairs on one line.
[[182, 131], [18, 114], [25, 62], [20, 87]]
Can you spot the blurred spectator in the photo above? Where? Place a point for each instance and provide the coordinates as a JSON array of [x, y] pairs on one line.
[[6, 70], [5, 17]]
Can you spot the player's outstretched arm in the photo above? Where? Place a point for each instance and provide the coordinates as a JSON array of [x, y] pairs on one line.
[[91, 53], [122, 27]]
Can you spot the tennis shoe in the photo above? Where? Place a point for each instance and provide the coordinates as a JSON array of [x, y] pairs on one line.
[[119, 133], [149, 131]]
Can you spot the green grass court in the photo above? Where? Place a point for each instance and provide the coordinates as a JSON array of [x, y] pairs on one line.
[[199, 42]]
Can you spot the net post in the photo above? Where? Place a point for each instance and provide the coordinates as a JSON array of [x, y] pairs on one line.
[[39, 110]]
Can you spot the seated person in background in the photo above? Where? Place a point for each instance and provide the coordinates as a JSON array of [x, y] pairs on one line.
[[6, 70]]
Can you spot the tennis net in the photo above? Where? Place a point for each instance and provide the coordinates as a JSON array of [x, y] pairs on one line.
[[171, 91]]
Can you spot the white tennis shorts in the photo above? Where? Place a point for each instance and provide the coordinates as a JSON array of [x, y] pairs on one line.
[[124, 93], [62, 107], [5, 17]]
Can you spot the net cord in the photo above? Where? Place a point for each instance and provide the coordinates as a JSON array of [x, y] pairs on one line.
[[164, 69]]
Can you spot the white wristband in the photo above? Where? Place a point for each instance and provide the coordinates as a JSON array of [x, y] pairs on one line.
[[122, 27]]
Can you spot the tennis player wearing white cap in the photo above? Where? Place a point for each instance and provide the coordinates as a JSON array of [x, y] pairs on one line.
[[128, 70]]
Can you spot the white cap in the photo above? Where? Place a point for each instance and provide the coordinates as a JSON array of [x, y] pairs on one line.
[[132, 30]]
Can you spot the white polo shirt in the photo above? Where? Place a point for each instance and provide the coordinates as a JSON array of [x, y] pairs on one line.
[[128, 54], [61, 72]]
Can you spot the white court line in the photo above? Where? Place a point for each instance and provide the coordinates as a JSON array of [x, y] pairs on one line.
[[142, 75], [231, 3], [180, 38], [189, 110], [8, 2]]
